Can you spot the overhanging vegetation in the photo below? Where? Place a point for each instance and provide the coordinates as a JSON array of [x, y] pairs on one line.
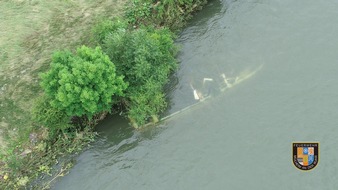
[[139, 44]]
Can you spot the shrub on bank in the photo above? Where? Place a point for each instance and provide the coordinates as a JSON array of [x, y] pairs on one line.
[[169, 13], [83, 84], [143, 49], [45, 115], [146, 57]]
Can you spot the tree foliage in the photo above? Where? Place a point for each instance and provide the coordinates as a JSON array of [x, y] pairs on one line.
[[170, 13], [82, 84], [45, 115], [145, 57], [105, 27]]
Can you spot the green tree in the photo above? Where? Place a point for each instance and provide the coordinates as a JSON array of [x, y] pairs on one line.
[[83, 84], [145, 57]]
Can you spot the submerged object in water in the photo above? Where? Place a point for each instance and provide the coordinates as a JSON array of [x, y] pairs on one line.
[[225, 79], [198, 96], [207, 79]]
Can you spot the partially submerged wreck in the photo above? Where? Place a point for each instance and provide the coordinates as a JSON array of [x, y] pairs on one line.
[[226, 84]]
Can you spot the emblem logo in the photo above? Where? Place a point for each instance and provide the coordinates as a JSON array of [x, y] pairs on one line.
[[305, 155]]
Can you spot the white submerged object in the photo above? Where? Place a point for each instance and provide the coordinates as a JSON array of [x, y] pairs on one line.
[[196, 95], [207, 79], [226, 80], [240, 78]]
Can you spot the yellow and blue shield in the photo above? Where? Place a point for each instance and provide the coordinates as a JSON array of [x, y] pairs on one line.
[[305, 155]]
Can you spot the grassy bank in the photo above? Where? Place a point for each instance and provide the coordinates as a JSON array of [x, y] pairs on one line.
[[30, 33]]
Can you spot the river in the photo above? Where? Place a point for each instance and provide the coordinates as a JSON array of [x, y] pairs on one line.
[[240, 138]]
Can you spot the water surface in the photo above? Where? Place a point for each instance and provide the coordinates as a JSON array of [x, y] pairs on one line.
[[240, 139]]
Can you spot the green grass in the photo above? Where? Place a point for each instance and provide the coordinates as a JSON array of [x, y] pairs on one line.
[[29, 32]]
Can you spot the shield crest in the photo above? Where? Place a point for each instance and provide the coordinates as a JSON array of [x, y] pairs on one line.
[[305, 155]]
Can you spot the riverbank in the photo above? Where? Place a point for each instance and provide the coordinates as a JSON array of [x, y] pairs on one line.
[[27, 149], [31, 31]]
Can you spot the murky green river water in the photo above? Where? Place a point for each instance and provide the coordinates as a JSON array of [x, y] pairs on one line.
[[239, 139]]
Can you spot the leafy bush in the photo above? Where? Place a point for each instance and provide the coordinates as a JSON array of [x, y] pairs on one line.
[[45, 115], [105, 27], [82, 84], [145, 57], [170, 13], [139, 11]]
